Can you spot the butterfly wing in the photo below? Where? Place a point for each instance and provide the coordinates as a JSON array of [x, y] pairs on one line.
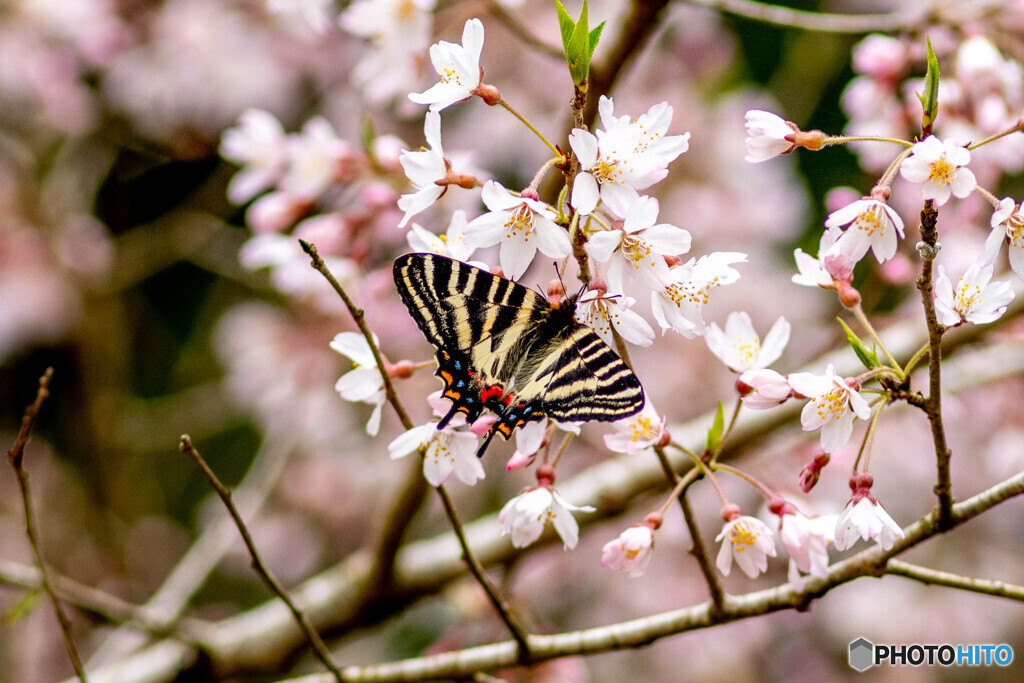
[[481, 325], [575, 377]]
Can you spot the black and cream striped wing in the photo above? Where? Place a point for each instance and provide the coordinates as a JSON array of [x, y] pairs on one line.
[[578, 379]]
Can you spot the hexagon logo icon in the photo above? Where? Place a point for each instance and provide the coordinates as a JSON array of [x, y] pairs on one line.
[[862, 654]]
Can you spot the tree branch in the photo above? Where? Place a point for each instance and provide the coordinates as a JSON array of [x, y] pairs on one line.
[[15, 457], [999, 589]]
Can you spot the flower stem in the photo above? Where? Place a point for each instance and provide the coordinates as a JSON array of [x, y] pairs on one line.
[[859, 313], [511, 110]]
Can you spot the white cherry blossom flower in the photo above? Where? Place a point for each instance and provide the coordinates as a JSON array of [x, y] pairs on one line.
[[451, 244], [445, 452], [762, 389], [976, 299], [634, 434], [679, 305], [604, 313], [363, 383], [631, 551], [766, 136], [531, 437], [639, 248], [833, 406], [807, 539], [747, 540], [939, 166], [457, 65], [258, 144], [399, 33], [521, 225], [872, 225], [627, 155], [1007, 225], [317, 157], [526, 515], [317, 14], [828, 268], [864, 517], [424, 168], [739, 346]]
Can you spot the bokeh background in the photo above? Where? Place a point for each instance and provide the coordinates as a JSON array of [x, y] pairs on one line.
[[120, 267]]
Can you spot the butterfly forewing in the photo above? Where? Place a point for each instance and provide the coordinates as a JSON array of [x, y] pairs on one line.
[[505, 347]]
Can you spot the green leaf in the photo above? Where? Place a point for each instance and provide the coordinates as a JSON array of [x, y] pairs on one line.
[[595, 36], [566, 24], [578, 41], [715, 433], [930, 97], [868, 357]]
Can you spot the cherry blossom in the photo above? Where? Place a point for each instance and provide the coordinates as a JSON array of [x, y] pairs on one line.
[[806, 539], [872, 225], [739, 346], [457, 65], [829, 268], [939, 166], [1008, 226], [634, 434], [258, 144], [631, 551], [399, 32], [317, 158], [363, 383], [424, 168], [975, 300], [639, 248], [762, 389], [451, 244], [445, 451], [766, 136], [833, 406], [604, 313], [521, 225], [747, 540], [526, 515], [627, 155], [864, 517], [679, 305]]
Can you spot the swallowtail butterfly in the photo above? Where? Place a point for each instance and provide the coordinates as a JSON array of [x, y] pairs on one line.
[[506, 348]]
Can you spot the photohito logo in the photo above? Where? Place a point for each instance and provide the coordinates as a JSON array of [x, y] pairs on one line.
[[864, 654]]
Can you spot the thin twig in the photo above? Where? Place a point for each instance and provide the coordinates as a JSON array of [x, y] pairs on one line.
[[319, 648], [999, 589], [514, 25], [15, 456], [170, 600], [929, 248], [698, 551], [519, 634]]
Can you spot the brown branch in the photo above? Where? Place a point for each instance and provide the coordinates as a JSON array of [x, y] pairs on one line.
[[15, 456], [646, 630], [516, 27], [319, 648], [104, 605], [999, 589], [929, 249], [698, 550]]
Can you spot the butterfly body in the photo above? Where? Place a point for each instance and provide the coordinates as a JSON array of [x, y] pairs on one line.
[[504, 347]]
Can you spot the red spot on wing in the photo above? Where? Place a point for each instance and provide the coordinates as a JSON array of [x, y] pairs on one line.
[[494, 391]]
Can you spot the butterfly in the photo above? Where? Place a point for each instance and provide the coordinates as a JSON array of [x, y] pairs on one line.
[[506, 348]]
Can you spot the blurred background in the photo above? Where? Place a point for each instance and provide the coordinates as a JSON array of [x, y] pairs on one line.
[[125, 266]]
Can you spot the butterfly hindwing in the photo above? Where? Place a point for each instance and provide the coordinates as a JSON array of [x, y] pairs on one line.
[[504, 347]]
